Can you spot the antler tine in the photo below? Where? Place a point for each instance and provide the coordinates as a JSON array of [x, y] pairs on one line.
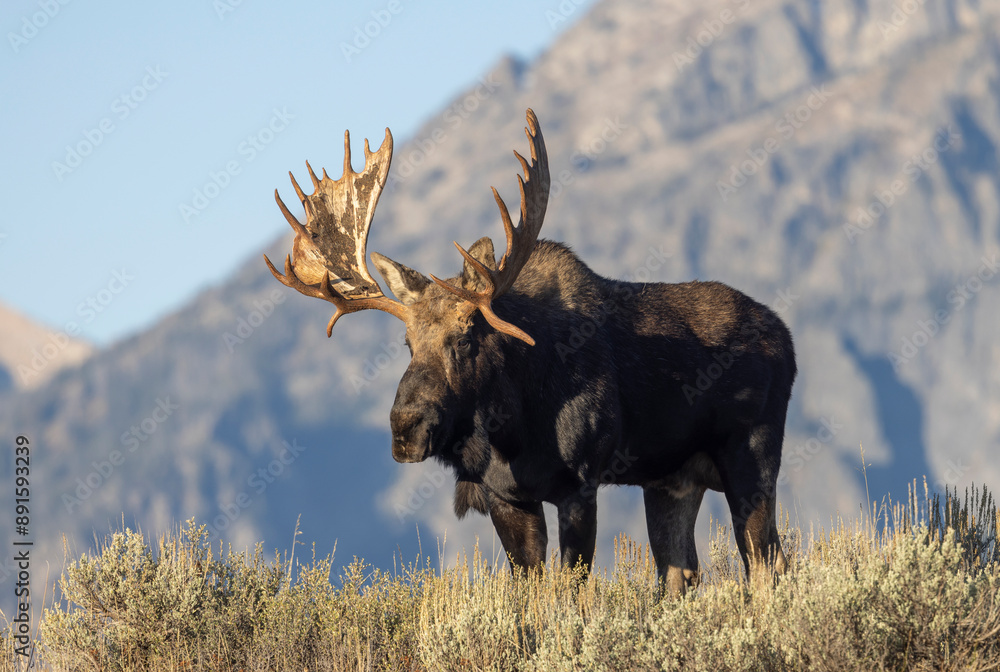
[[312, 174], [369, 153], [347, 153], [295, 223], [290, 279], [298, 190], [478, 265], [460, 292], [508, 226], [525, 166]]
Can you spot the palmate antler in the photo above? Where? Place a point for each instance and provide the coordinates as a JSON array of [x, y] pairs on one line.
[[520, 241], [329, 251], [335, 237]]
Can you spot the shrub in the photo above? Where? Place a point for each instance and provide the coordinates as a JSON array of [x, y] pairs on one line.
[[908, 587]]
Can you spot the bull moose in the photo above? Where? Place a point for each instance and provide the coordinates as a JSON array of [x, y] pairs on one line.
[[538, 380]]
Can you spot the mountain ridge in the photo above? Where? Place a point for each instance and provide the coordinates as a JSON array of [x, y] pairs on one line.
[[31, 353]]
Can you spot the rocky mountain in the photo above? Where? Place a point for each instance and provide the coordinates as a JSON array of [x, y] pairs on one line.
[[835, 160]]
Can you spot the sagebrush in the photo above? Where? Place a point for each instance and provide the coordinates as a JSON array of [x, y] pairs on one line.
[[910, 586]]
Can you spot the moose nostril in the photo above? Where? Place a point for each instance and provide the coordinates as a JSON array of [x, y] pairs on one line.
[[403, 424]]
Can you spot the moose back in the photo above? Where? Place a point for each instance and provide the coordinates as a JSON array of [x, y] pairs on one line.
[[538, 380]]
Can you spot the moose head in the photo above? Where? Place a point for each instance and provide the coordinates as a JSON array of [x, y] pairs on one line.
[[452, 327]]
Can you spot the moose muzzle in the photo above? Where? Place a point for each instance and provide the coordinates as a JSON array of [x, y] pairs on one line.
[[412, 435]]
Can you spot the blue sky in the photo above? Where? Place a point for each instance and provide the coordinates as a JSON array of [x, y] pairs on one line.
[[117, 113]]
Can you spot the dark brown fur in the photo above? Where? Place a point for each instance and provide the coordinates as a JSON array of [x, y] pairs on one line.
[[672, 387]]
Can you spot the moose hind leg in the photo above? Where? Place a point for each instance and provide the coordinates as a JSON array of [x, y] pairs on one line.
[[749, 472], [521, 528], [670, 520]]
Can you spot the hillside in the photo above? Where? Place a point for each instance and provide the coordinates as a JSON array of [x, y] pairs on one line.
[[31, 354], [736, 141], [928, 590]]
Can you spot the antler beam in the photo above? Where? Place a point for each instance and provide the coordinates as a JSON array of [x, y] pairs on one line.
[[323, 290]]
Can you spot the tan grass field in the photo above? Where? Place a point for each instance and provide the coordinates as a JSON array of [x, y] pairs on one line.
[[909, 586]]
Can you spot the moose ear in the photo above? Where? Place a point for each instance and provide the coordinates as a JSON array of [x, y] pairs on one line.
[[408, 285], [481, 251]]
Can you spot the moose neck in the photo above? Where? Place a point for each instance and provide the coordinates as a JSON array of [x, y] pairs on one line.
[[528, 383]]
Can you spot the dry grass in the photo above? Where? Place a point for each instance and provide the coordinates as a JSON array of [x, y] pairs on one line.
[[914, 586]]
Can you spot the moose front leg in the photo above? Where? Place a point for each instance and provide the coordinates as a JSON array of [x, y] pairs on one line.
[[577, 530], [521, 528]]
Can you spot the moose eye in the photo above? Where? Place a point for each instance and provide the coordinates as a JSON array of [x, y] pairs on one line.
[[315, 236]]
